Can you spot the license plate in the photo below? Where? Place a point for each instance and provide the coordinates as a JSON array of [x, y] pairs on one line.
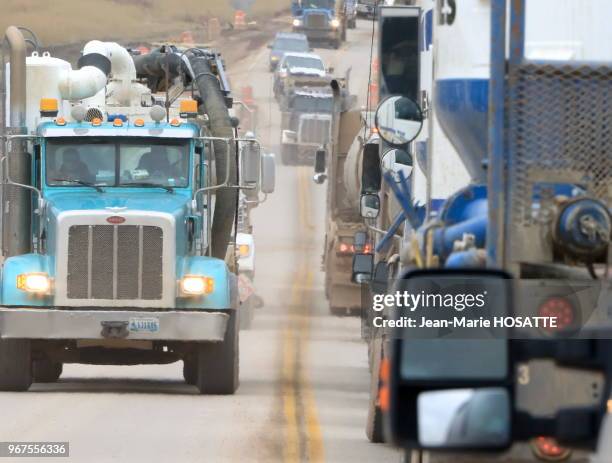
[[144, 325]]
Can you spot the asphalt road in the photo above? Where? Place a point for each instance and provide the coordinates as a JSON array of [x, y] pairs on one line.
[[304, 374]]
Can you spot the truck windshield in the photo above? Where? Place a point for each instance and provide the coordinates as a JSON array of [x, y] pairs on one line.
[[326, 4], [312, 104], [304, 62], [117, 162]]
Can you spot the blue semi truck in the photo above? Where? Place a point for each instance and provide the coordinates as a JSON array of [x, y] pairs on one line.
[[322, 21], [118, 214]]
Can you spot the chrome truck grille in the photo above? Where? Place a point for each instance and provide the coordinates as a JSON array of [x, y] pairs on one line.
[[115, 262], [315, 131], [316, 20], [104, 264]]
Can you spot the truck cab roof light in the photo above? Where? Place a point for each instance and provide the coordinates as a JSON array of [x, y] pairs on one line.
[[188, 108], [118, 122], [139, 122], [60, 121], [48, 107], [96, 122], [175, 122]]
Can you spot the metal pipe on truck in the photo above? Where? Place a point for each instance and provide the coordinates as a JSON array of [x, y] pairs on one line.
[[16, 208]]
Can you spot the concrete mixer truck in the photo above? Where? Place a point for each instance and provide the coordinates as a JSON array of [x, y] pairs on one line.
[[537, 200], [118, 211]]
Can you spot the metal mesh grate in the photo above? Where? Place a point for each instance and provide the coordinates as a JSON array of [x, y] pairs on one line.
[[560, 130], [115, 262]]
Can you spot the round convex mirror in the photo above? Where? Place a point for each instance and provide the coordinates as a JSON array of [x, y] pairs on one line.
[[398, 120], [396, 161]]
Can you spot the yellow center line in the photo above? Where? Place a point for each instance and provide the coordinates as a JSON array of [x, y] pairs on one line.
[[305, 216], [303, 436], [291, 449], [313, 428]]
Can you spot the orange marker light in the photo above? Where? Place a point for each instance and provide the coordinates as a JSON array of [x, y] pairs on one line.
[[48, 105], [139, 122], [60, 121], [118, 123], [96, 121], [175, 122], [188, 108]]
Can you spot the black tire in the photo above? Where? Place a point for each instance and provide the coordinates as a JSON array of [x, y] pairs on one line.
[[374, 425], [46, 371], [217, 362], [15, 365], [190, 370]]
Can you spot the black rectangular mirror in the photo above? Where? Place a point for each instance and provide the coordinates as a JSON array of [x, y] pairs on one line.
[[464, 418], [320, 160], [359, 241], [363, 266]]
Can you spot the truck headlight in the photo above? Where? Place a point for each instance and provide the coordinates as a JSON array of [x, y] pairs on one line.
[[38, 283], [297, 22], [335, 23], [195, 285]]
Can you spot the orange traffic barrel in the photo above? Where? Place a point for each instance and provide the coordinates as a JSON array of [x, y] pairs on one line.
[[246, 93], [240, 19]]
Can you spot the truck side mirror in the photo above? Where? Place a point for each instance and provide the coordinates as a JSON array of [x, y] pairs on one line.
[[320, 166], [371, 174], [399, 120], [396, 161], [250, 162], [462, 418], [268, 173], [380, 280], [463, 373], [363, 265], [369, 206], [320, 161], [360, 240]]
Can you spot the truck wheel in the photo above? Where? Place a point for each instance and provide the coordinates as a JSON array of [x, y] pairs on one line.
[[374, 425], [338, 311], [46, 371], [217, 363], [15, 365], [190, 370]]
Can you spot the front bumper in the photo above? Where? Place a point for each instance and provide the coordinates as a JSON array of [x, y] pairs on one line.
[[28, 323], [318, 34]]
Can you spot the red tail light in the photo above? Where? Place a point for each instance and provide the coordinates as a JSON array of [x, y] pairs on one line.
[[344, 248], [546, 448], [559, 308], [367, 249]]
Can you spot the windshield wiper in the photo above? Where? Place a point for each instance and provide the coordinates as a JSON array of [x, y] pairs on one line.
[[168, 188], [80, 182]]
